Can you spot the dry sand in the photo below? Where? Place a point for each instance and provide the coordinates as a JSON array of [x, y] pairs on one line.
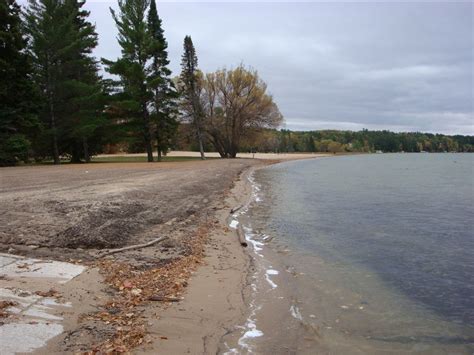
[[261, 156], [71, 212]]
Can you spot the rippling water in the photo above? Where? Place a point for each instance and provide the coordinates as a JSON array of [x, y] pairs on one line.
[[393, 230]]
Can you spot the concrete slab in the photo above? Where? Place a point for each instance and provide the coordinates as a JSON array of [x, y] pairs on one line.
[[5, 260], [35, 319], [34, 268], [25, 338]]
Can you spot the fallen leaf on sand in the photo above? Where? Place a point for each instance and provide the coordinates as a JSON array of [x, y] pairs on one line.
[[136, 287], [51, 293], [127, 284]]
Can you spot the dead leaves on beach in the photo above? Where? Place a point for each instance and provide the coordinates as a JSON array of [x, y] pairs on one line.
[[4, 305], [50, 293], [134, 288]]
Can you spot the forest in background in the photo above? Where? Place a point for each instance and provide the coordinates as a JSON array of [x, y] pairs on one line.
[[338, 141], [56, 106]]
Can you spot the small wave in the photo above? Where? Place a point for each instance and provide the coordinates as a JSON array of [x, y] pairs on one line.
[[251, 333], [250, 330], [250, 237]]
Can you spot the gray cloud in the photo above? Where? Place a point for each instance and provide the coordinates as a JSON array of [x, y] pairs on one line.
[[379, 65]]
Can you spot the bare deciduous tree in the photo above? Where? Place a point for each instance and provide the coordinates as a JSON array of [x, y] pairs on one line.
[[236, 102]]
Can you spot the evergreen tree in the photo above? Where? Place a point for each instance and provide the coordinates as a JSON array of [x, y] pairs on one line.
[[190, 90], [310, 146], [133, 95], [18, 120], [62, 41], [83, 114], [160, 83], [49, 28]]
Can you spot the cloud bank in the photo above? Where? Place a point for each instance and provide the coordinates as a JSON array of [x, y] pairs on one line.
[[382, 65]]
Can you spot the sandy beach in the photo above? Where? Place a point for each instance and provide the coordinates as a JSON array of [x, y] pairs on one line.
[[197, 291], [182, 295], [260, 156]]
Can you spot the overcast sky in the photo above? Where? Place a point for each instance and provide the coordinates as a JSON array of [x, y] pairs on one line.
[[379, 65]]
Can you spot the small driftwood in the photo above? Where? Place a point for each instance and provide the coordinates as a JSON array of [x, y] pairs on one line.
[[163, 299], [235, 209], [241, 235], [132, 247]]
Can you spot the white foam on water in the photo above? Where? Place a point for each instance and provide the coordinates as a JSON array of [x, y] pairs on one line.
[[230, 351], [251, 333], [234, 223], [267, 277], [295, 312], [249, 329], [255, 333], [270, 282], [249, 236]]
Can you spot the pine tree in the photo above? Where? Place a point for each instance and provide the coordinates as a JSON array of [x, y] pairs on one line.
[[190, 90], [49, 28], [62, 41], [160, 83], [18, 120], [133, 94], [83, 115]]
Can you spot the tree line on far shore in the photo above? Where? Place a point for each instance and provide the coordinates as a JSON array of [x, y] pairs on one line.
[[338, 141], [365, 141], [55, 105]]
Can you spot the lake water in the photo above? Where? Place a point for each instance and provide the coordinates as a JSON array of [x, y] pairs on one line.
[[373, 253]]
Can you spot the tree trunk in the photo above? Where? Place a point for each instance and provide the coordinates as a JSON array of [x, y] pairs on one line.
[[55, 142], [158, 147], [197, 113], [76, 153], [218, 145], [201, 147], [233, 151], [53, 121], [147, 134], [85, 146]]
